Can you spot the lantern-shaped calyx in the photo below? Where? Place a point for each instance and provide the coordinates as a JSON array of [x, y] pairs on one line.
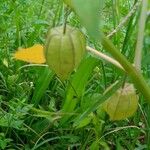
[[122, 104], [64, 50]]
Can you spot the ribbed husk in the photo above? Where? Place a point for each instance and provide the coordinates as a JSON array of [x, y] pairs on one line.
[[63, 52], [122, 104]]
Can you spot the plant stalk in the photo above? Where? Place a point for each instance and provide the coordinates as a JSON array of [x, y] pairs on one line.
[[104, 57], [135, 75], [140, 37]]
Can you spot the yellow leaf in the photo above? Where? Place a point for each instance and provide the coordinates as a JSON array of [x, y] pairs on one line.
[[34, 54]]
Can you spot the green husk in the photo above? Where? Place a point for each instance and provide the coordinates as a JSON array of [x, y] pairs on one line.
[[64, 51]]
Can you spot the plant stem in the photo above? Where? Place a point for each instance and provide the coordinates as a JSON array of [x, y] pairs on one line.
[[124, 20], [67, 12], [136, 77], [140, 38], [105, 57]]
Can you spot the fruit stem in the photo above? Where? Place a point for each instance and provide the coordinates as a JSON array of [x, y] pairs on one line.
[[124, 81], [104, 57], [67, 12], [65, 26]]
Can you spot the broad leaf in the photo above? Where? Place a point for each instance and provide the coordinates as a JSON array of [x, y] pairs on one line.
[[89, 15], [77, 86]]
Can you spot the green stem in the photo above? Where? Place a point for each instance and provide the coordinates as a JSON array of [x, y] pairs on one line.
[[140, 38], [67, 12], [136, 76]]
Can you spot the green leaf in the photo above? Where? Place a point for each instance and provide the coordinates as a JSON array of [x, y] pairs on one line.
[[77, 84], [85, 121], [42, 83], [95, 145], [89, 15], [97, 103]]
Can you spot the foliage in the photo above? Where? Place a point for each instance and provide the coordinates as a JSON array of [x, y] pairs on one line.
[[38, 110]]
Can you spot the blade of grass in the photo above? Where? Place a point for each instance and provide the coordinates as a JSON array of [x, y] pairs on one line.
[[140, 38], [42, 83], [130, 28], [77, 85], [138, 51], [37, 146]]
